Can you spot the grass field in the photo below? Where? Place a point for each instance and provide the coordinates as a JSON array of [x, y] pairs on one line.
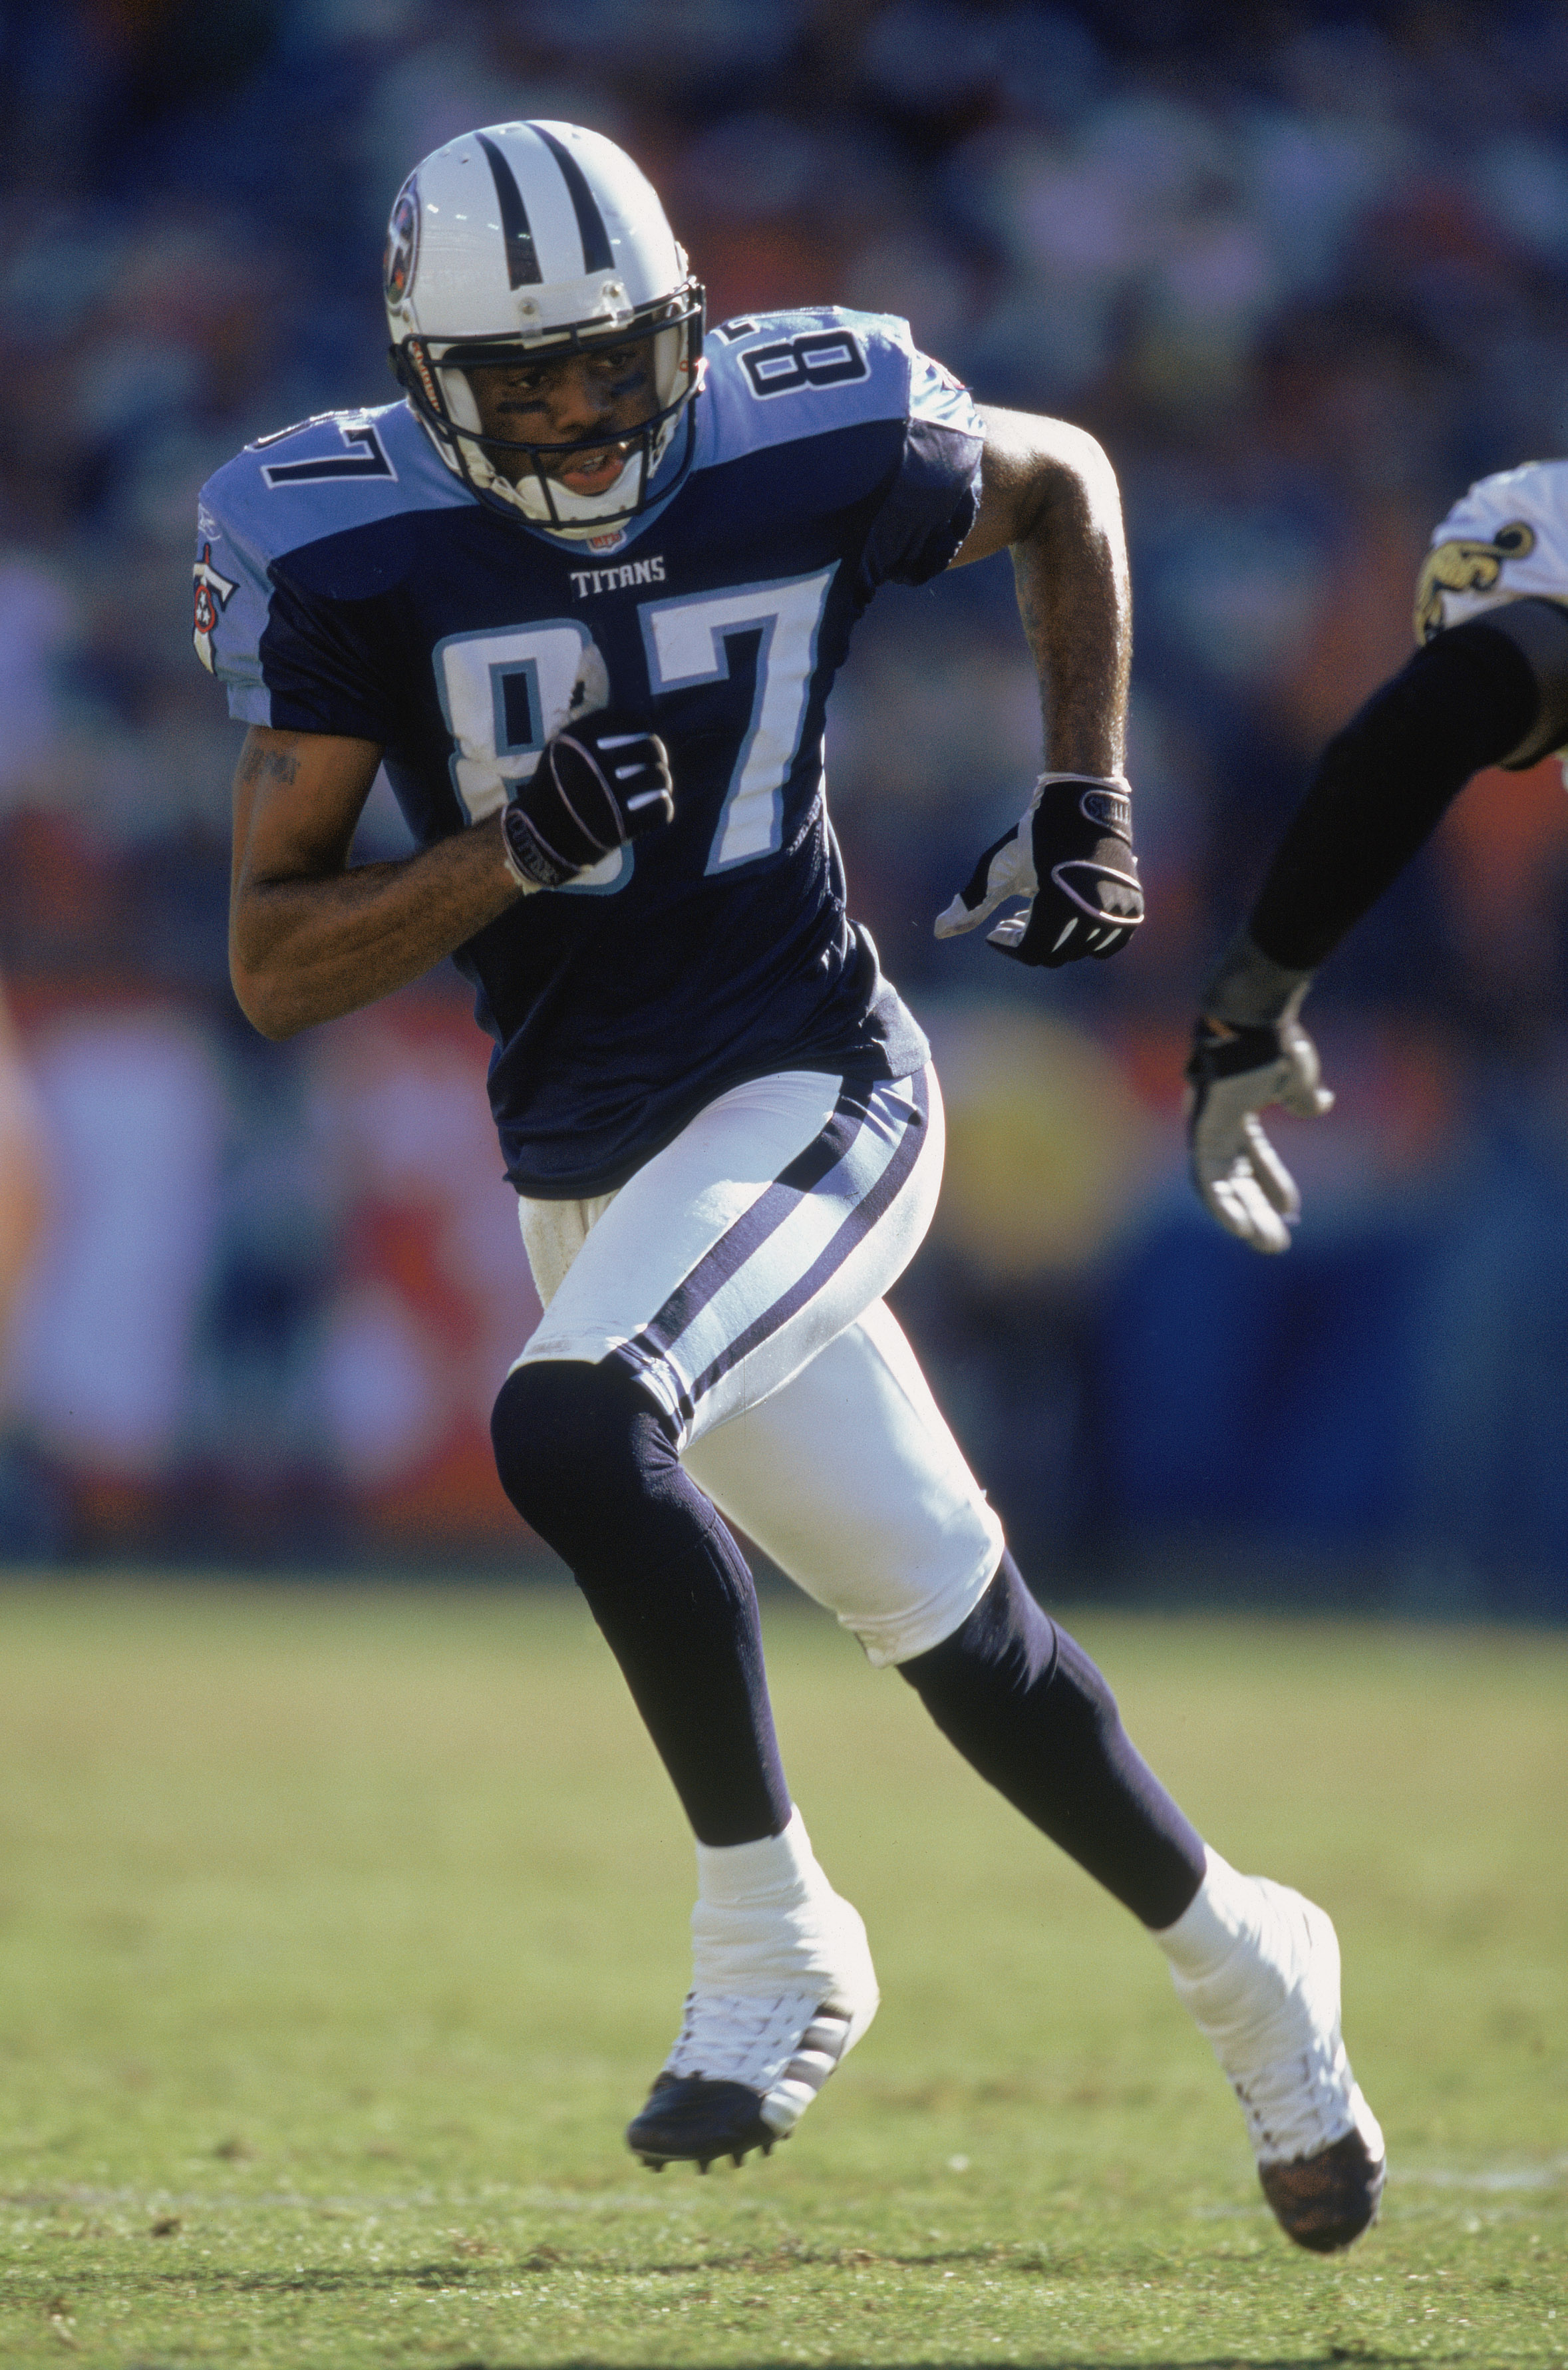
[[341, 1932]]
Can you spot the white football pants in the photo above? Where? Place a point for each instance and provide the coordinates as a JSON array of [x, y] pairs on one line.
[[739, 1275]]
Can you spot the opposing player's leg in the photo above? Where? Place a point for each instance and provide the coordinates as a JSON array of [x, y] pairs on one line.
[[896, 1536], [723, 1266]]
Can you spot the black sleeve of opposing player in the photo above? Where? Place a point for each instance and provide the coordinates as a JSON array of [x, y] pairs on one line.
[[1468, 699]]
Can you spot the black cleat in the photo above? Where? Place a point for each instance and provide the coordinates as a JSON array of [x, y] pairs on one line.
[[1325, 2201], [690, 2119], [744, 2070]]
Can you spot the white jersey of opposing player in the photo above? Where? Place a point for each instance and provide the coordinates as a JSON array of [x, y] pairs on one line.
[[1505, 540]]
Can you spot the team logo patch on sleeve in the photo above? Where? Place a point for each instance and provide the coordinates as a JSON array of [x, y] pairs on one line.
[[1463, 565], [212, 592]]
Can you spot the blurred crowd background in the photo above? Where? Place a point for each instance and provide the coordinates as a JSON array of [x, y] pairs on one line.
[[1304, 271]]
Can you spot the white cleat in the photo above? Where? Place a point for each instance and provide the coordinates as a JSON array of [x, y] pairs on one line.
[[1260, 1972]]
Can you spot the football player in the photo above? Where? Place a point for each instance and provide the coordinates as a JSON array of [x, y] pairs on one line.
[[1487, 687], [583, 591]]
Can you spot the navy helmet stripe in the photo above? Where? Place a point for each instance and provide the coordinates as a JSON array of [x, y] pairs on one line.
[[522, 262], [597, 255]]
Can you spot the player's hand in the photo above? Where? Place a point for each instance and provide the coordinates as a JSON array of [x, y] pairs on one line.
[[1072, 857], [601, 780], [1232, 1074]]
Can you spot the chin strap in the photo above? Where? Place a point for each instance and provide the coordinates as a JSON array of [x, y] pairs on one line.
[[457, 442]]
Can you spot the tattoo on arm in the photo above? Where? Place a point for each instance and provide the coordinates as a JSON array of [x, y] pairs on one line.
[[261, 764]]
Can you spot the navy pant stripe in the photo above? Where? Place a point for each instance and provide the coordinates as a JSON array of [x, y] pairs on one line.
[[750, 1232], [852, 1233]]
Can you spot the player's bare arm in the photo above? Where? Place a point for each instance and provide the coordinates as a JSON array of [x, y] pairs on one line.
[[1049, 494], [311, 937]]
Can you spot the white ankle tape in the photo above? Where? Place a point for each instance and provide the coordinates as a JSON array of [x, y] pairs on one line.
[[1225, 1910], [766, 1916], [739, 1876]]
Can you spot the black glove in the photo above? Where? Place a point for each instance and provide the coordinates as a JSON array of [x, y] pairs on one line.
[[599, 783], [1072, 857]]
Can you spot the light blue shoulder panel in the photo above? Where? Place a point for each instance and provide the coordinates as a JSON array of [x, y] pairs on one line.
[[774, 378], [343, 470]]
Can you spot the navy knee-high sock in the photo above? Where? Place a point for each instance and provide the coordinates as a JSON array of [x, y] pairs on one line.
[[1024, 1703], [589, 1462]]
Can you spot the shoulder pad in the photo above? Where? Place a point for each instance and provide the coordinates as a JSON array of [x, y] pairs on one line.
[[310, 484], [1506, 539], [775, 377], [329, 475]]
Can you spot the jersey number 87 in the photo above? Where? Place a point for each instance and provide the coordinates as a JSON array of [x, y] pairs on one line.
[[503, 692]]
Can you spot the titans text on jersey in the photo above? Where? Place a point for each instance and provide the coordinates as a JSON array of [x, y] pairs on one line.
[[349, 583]]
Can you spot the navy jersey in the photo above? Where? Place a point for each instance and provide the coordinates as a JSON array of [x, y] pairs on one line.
[[348, 582]]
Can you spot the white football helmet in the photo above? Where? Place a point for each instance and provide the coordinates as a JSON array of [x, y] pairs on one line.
[[537, 238]]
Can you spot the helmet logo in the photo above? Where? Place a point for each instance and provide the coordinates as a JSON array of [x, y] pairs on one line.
[[401, 245]]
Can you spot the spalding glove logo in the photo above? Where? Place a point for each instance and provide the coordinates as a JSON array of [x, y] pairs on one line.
[[1109, 807]]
